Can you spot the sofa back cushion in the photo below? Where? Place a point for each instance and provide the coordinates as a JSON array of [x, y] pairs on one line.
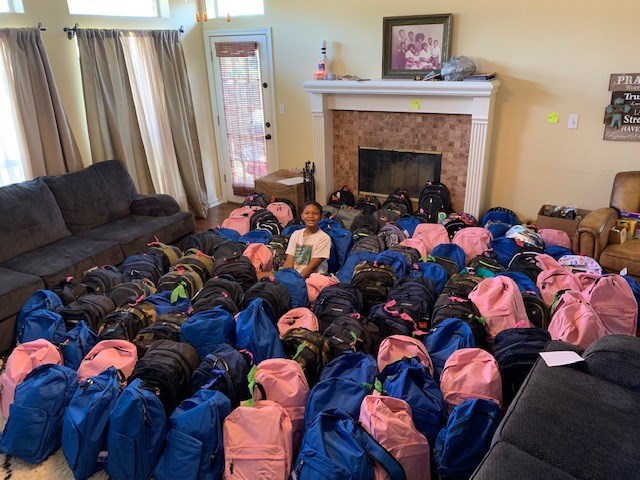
[[30, 218], [94, 196]]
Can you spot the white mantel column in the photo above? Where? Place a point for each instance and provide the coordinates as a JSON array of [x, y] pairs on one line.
[[322, 118]]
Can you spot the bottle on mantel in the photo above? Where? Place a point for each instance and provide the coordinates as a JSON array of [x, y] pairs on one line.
[[323, 62]]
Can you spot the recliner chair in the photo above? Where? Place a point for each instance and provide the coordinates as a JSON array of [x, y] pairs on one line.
[[593, 230]]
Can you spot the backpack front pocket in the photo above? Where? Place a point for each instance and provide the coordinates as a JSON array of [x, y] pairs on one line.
[[25, 431], [256, 462], [123, 456], [181, 458]]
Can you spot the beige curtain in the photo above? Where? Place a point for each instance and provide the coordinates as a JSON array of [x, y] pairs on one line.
[[107, 82], [51, 146]]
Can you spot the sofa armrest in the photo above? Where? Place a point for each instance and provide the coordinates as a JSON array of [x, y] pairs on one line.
[[158, 205], [616, 359], [593, 231]]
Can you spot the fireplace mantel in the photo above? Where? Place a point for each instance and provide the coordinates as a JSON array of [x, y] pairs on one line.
[[476, 99]]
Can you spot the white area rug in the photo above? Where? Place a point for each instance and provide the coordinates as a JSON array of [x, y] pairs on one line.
[[53, 468]]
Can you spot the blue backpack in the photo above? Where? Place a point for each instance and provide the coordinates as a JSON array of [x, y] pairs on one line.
[[358, 366], [163, 304], [395, 260], [256, 332], [557, 251], [408, 224], [228, 233], [474, 422], [256, 236], [335, 446], [341, 242], [40, 299], [503, 249], [409, 380], [345, 274], [137, 429], [289, 229], [204, 331], [193, 447], [499, 215], [337, 392], [77, 343], [41, 323], [524, 283], [445, 338], [32, 432], [434, 272], [635, 288], [450, 251], [296, 285], [85, 421]]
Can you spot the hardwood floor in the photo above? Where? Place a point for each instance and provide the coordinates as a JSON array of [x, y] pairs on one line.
[[215, 216]]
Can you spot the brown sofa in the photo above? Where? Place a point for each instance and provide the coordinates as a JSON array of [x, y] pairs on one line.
[[593, 230]]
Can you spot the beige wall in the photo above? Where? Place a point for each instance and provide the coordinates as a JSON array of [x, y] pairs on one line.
[[551, 56]]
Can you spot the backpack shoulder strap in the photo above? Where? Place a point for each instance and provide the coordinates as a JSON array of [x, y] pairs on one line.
[[377, 452]]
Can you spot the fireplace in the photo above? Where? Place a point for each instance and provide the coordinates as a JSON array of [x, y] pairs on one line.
[[453, 118]]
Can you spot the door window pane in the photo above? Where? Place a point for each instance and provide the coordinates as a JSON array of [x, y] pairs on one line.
[[120, 8]]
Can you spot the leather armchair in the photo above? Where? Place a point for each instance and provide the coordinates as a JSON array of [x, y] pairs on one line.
[[593, 230]]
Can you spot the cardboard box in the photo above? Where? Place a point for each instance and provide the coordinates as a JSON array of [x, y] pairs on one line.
[[617, 235], [558, 223], [630, 225]]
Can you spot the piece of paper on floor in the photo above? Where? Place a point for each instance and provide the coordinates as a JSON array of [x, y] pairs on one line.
[[556, 359], [291, 181]]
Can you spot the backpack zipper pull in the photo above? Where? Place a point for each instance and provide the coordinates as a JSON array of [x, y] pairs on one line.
[[231, 467]]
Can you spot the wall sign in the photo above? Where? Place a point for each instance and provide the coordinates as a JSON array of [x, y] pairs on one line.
[[622, 115]]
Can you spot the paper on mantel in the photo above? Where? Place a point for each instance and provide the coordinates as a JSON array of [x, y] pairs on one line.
[[291, 181], [556, 359]]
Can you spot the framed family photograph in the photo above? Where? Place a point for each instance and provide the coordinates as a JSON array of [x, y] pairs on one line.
[[415, 45]]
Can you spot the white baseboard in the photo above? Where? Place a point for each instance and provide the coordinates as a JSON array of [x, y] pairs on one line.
[[216, 202]]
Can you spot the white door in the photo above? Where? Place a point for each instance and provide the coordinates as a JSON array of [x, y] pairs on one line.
[[241, 82]]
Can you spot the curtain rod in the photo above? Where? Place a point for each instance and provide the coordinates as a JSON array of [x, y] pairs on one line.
[[71, 31], [41, 28]]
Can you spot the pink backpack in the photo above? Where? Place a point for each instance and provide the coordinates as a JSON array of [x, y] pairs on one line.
[[282, 381], [300, 317], [612, 299], [575, 321], [551, 236], [546, 262], [580, 263], [500, 303], [418, 245], [23, 359], [551, 281], [473, 240], [120, 354], [586, 279], [470, 373], [431, 235], [396, 347], [240, 224], [245, 211], [316, 282], [282, 211], [258, 442], [389, 421], [260, 255]]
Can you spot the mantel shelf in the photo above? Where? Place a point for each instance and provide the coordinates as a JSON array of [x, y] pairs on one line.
[[402, 87]]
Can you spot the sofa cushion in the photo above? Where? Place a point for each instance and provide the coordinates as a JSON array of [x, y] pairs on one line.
[[23, 206], [625, 255], [70, 256], [580, 413], [135, 232], [93, 196]]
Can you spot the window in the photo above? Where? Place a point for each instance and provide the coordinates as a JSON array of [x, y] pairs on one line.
[[220, 8], [120, 8], [11, 6]]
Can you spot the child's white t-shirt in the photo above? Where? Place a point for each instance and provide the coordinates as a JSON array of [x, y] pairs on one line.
[[303, 249]]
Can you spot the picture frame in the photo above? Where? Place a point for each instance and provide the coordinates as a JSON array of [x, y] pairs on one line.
[[410, 30]]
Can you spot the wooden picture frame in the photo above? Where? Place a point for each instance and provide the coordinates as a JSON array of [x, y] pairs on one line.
[[400, 37]]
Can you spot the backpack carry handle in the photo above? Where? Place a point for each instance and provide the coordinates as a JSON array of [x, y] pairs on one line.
[[379, 454]]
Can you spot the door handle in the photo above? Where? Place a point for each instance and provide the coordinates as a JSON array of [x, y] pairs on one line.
[[267, 136]]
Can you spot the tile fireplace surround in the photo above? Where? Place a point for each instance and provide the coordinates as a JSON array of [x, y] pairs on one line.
[[450, 117]]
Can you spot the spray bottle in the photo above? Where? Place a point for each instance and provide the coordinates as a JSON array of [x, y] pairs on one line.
[[323, 62]]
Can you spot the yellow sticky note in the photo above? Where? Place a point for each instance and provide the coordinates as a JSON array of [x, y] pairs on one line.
[[552, 118], [415, 104]]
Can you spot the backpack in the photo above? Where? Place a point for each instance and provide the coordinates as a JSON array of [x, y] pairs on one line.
[[336, 444], [474, 422], [206, 330], [523, 282], [434, 201], [39, 300], [120, 354], [345, 274], [67, 291], [516, 350], [205, 241], [408, 224], [394, 322], [580, 263], [346, 216], [239, 268], [391, 235], [227, 234], [366, 222], [342, 197], [137, 429], [417, 245], [471, 373], [396, 347], [485, 266], [537, 311], [336, 301], [32, 432], [473, 240], [374, 281], [352, 332], [168, 254], [92, 308], [278, 247], [103, 279], [554, 280], [85, 422], [341, 242], [229, 249], [256, 332], [316, 282], [309, 348], [388, 215], [265, 220], [122, 325], [193, 447], [409, 380], [142, 266], [335, 392], [451, 256], [432, 271], [22, 360], [414, 295], [503, 249], [553, 237], [389, 420], [613, 300], [282, 212], [399, 262], [156, 331], [256, 236], [499, 219], [367, 204], [76, 344], [358, 366], [300, 317], [283, 381], [256, 199], [219, 286], [226, 370], [445, 338], [258, 442], [131, 292], [276, 296], [296, 286], [499, 301], [412, 255], [370, 244], [573, 320], [399, 197], [40, 324], [261, 257]]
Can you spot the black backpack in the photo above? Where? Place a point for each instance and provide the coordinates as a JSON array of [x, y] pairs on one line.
[[92, 308], [368, 204], [537, 311], [352, 333], [103, 279], [336, 301], [68, 291], [168, 366], [228, 249], [156, 331], [374, 281], [130, 292], [371, 243], [525, 262], [256, 199], [274, 293], [487, 264], [239, 268], [344, 196], [453, 225], [265, 220], [122, 325], [388, 215], [393, 322], [223, 291], [206, 242], [411, 254], [188, 278], [141, 266], [310, 349], [278, 246], [399, 199], [460, 285], [416, 296], [366, 221], [168, 254], [434, 199]]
